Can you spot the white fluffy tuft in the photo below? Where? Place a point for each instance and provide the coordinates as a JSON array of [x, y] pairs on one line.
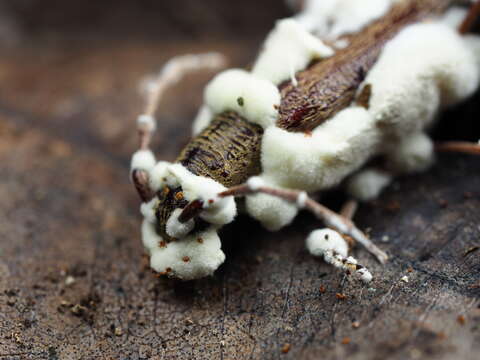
[[335, 149], [143, 160], [177, 229], [423, 67], [158, 175], [251, 97], [217, 210], [414, 153], [202, 120], [367, 184], [272, 212], [193, 257], [146, 122], [289, 48], [320, 241], [333, 18]]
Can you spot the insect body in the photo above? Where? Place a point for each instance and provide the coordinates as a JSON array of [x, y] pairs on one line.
[[310, 114]]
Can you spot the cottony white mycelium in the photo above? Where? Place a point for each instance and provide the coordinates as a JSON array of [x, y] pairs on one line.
[[423, 69]]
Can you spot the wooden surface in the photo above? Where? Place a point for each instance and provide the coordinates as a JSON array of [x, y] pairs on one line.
[[68, 213]]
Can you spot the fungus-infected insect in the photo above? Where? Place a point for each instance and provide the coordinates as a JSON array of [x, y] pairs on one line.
[[340, 83]]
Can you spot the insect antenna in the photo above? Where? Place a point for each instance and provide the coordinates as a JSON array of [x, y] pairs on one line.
[[171, 73]]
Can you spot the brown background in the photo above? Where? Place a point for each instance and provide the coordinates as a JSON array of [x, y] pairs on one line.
[[69, 74]]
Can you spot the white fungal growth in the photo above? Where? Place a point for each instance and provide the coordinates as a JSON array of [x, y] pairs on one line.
[[250, 96], [148, 210], [320, 241], [218, 211], [146, 122], [320, 161], [364, 275], [302, 200], [332, 18], [158, 175], [255, 183], [454, 16], [415, 152], [151, 240], [334, 249], [143, 160], [177, 229], [193, 257], [367, 184], [288, 49], [202, 120], [425, 67], [273, 212]]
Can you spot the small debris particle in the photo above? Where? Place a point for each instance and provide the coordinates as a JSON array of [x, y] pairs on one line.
[[186, 259], [322, 289], [410, 269], [393, 206], [405, 279], [341, 296], [78, 310], [385, 238], [442, 203], [16, 336], [11, 301], [471, 250], [200, 240], [475, 285], [363, 98], [356, 324], [162, 244], [11, 292], [288, 328], [350, 241], [240, 101], [69, 280], [286, 348], [118, 331], [166, 190], [461, 319], [222, 343], [168, 269], [467, 195], [189, 322], [441, 335], [179, 196], [346, 341], [372, 289]]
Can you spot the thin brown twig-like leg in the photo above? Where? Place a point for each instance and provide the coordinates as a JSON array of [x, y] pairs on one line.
[[349, 209], [459, 146], [330, 218], [470, 19], [172, 72]]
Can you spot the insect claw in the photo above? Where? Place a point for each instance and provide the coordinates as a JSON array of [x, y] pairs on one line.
[[140, 180], [192, 210]]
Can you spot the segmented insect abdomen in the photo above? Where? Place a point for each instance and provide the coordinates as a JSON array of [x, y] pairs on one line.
[[227, 150]]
